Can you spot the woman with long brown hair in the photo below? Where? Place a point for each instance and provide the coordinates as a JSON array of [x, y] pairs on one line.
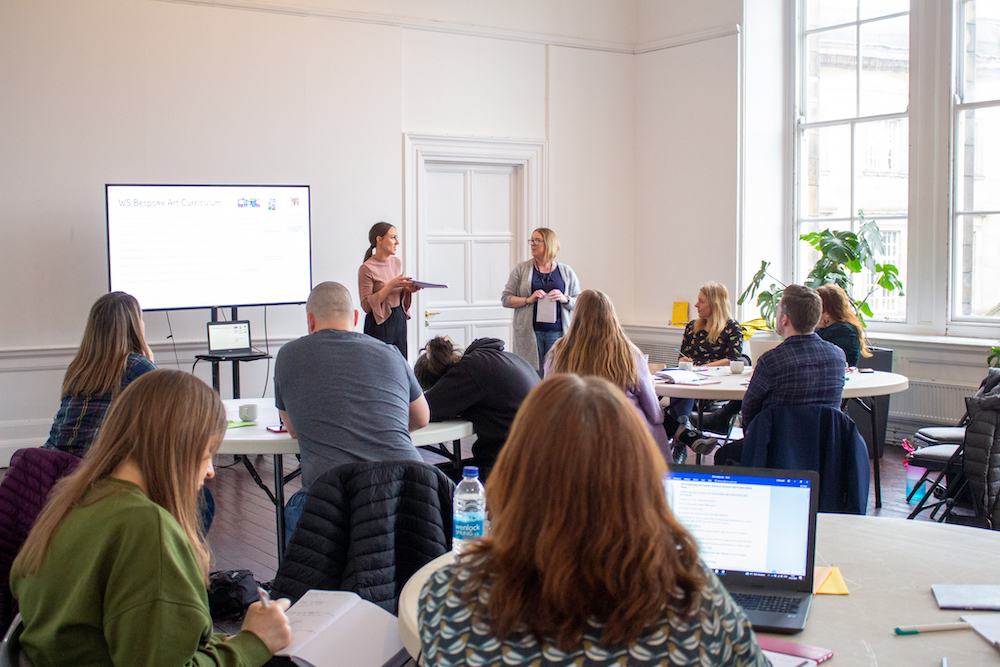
[[596, 344], [116, 565], [584, 561], [112, 354], [384, 291], [839, 324]]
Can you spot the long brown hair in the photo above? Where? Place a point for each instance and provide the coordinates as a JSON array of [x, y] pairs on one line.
[[718, 297], [596, 344], [162, 423], [838, 306], [580, 524], [112, 333], [377, 230]]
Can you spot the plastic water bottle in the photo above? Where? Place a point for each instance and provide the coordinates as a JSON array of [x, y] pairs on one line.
[[470, 509]]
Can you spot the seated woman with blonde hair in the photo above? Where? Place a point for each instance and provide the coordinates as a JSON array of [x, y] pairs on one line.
[[584, 562], [115, 570], [839, 324], [596, 344]]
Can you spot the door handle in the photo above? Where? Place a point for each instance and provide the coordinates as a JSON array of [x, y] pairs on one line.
[[428, 313]]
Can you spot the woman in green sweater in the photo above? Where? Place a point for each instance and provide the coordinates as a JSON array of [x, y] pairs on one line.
[[115, 569]]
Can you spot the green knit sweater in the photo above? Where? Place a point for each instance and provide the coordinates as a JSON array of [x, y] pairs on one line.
[[119, 585]]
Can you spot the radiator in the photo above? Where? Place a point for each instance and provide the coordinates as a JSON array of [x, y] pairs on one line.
[[937, 402]]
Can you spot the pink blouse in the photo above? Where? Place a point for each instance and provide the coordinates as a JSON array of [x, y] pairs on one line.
[[372, 277]]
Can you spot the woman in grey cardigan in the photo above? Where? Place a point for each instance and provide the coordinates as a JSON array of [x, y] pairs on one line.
[[541, 277]]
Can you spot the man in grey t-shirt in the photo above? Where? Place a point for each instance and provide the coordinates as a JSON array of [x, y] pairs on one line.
[[344, 395]]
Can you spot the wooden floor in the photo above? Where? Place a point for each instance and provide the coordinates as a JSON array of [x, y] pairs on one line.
[[243, 534]]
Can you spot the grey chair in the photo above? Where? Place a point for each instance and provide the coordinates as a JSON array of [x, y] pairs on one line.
[[10, 647]]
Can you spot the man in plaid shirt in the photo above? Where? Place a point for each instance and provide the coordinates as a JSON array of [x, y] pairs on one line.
[[803, 369]]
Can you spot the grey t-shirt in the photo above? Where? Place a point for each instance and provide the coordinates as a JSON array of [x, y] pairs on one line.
[[348, 397]]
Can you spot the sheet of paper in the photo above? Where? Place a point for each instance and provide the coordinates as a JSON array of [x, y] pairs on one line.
[[677, 376], [422, 285], [829, 581], [782, 660], [365, 636], [546, 311], [313, 613], [983, 597], [987, 625]]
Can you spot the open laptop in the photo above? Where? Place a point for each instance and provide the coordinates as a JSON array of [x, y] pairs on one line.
[[230, 339], [756, 529]]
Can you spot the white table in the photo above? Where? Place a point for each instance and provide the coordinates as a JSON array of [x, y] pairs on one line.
[[857, 385], [256, 439], [888, 565]]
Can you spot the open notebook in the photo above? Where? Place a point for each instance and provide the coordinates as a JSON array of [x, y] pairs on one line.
[[756, 529]]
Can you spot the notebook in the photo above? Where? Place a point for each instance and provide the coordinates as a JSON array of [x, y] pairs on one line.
[[229, 339], [756, 529]]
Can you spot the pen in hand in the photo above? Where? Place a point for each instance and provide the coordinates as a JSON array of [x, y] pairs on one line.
[[265, 599]]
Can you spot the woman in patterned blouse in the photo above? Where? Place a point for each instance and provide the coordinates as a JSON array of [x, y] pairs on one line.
[[714, 339], [584, 563]]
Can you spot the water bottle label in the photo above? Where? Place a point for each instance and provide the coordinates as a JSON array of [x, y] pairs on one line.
[[470, 525]]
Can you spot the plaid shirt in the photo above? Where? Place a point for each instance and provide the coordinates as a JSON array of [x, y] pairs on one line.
[[79, 417], [803, 369]]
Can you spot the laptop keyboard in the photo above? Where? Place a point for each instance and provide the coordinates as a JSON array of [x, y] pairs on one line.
[[776, 603]]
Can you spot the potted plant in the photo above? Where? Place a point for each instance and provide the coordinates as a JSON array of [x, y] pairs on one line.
[[993, 359]]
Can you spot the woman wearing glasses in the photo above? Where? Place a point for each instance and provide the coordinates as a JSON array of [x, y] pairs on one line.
[[540, 278]]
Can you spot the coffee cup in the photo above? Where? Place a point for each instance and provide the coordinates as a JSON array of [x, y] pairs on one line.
[[736, 366], [248, 412], [685, 365]]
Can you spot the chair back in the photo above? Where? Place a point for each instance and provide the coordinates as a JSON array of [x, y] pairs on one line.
[[10, 646], [813, 437], [981, 455], [367, 528], [23, 492]]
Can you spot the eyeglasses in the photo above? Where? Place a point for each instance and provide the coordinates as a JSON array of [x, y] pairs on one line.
[[536, 241]]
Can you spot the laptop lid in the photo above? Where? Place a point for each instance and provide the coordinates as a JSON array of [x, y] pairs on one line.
[[227, 339], [755, 527]]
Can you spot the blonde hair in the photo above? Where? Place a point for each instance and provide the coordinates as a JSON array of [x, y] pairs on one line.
[[162, 424], [580, 524], [112, 333], [838, 306], [718, 298], [596, 344], [551, 244]]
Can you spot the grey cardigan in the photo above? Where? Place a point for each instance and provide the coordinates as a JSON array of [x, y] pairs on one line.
[[519, 284]]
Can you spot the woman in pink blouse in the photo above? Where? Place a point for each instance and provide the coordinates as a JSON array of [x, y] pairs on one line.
[[384, 291]]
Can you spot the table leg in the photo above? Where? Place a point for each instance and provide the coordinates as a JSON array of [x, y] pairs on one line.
[[279, 503], [456, 454], [701, 421], [876, 467]]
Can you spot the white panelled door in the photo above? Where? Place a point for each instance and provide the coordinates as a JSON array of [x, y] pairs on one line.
[[470, 207]]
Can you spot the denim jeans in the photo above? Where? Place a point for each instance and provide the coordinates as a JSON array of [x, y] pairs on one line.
[[545, 341], [293, 511]]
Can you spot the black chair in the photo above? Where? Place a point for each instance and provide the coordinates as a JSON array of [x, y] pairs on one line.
[[10, 646], [946, 460]]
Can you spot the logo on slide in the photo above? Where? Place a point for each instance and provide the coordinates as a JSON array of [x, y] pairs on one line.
[[295, 201], [270, 204], [248, 203]]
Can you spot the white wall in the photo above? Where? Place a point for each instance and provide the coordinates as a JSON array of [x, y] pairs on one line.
[[687, 174], [671, 19]]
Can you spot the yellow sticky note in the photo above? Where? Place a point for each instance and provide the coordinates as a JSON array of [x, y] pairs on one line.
[[680, 316], [829, 581], [235, 424]]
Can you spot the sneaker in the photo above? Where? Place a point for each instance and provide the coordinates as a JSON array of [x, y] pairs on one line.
[[699, 442]]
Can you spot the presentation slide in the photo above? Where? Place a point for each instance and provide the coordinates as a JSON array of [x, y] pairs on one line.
[[196, 246]]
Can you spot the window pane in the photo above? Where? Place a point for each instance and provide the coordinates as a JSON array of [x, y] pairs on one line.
[[982, 51], [977, 160], [826, 172], [820, 13], [978, 264], [885, 305], [871, 9], [881, 161], [831, 74], [885, 66]]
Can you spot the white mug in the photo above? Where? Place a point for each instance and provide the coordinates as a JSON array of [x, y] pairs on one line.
[[248, 412], [736, 366], [685, 365]]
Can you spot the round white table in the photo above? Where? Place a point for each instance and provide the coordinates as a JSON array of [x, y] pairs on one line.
[[888, 565], [256, 439], [726, 386]]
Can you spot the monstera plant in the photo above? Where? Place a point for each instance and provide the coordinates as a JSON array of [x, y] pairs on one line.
[[843, 255]]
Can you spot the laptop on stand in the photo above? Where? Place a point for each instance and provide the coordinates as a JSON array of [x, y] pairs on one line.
[[230, 340], [756, 529]]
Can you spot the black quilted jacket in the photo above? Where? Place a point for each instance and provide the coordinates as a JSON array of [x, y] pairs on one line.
[[981, 460], [23, 493], [367, 527]]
